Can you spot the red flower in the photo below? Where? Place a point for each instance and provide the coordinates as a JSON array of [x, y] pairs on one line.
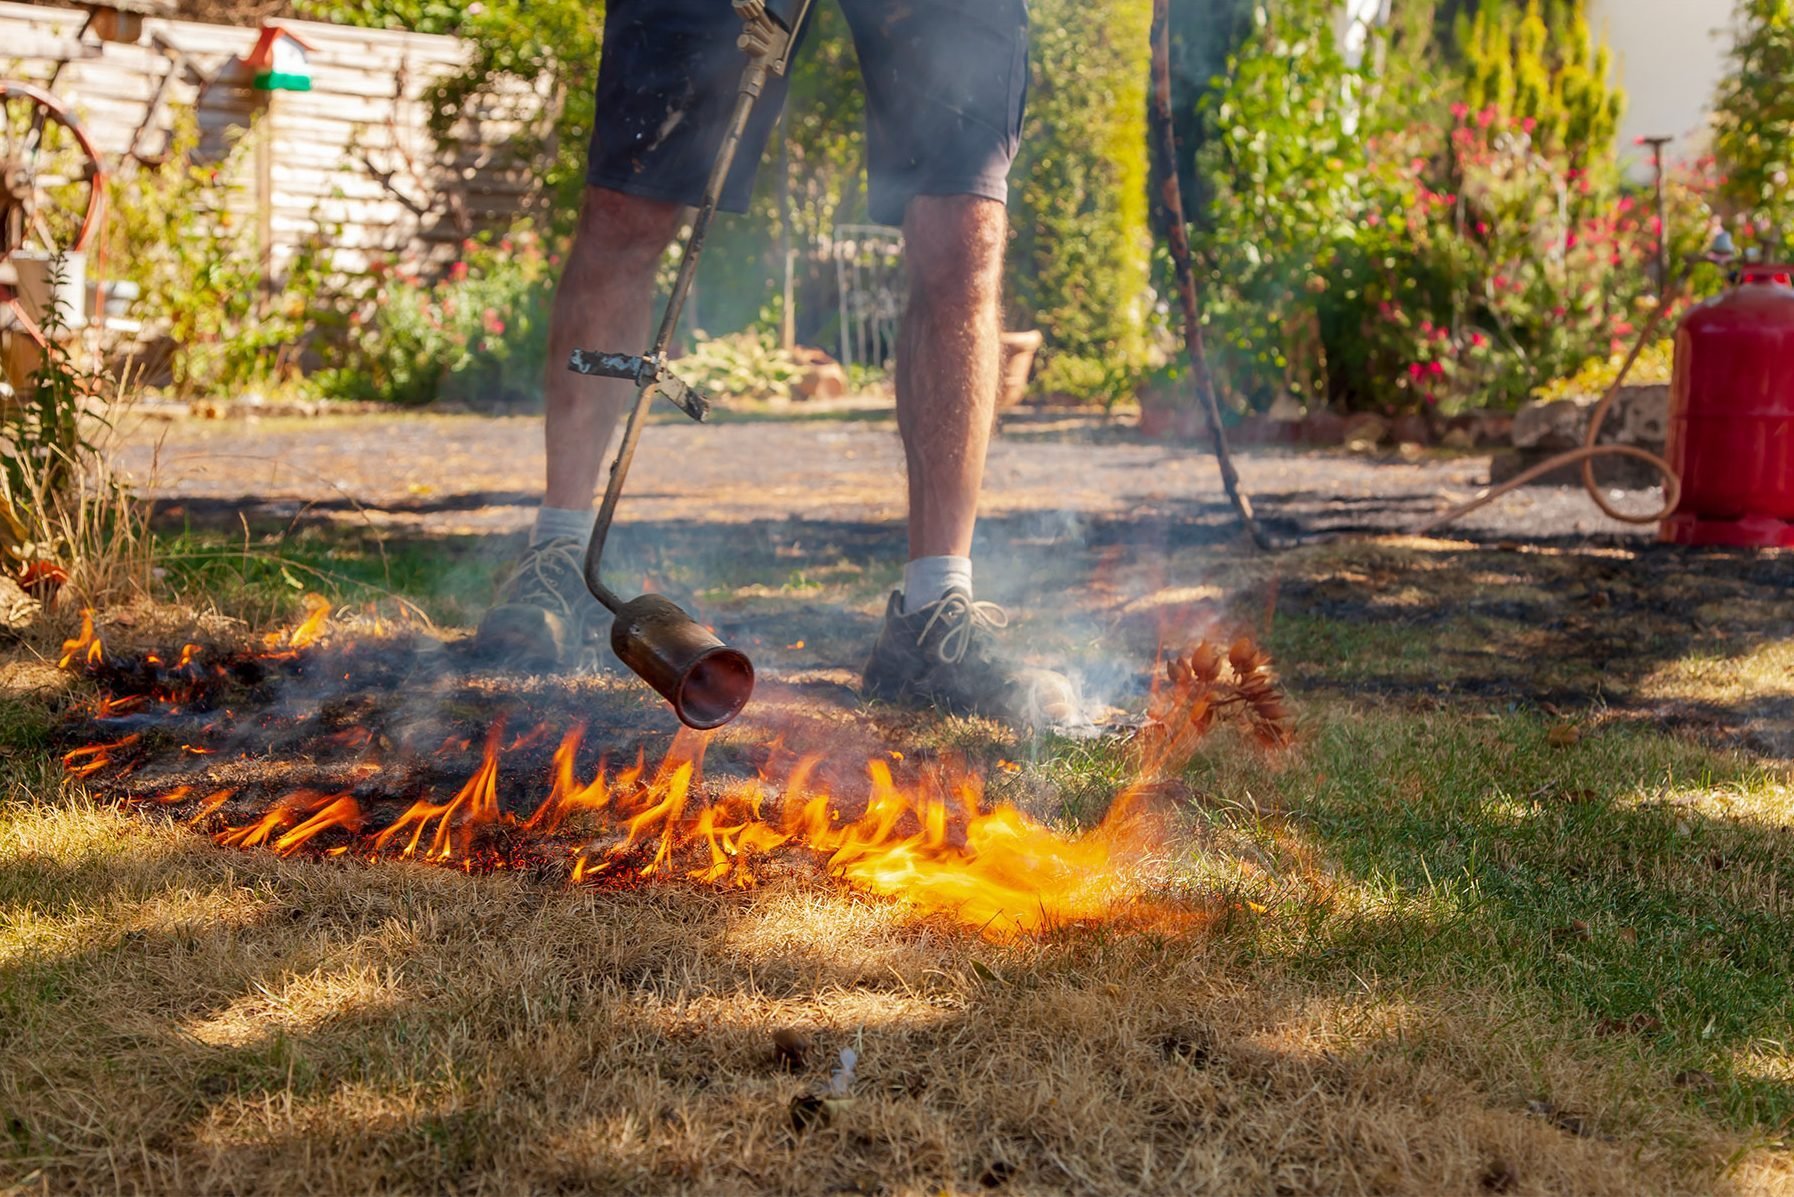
[[458, 271]]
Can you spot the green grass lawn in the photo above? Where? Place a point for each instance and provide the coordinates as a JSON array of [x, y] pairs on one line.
[[1513, 914]]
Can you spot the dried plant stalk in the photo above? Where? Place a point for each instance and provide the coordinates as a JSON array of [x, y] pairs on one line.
[[1207, 684]]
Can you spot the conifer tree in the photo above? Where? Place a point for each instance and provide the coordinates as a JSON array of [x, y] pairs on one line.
[[1540, 61], [1754, 123]]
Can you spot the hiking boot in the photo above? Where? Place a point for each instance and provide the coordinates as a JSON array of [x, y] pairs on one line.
[[543, 610], [945, 655]]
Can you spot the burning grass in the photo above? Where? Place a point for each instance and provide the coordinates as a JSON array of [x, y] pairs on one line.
[[296, 749]]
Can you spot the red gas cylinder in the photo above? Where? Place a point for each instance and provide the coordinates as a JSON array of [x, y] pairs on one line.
[[1731, 428]]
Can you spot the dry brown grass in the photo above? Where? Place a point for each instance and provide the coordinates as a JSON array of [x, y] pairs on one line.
[[1460, 917], [183, 1019]]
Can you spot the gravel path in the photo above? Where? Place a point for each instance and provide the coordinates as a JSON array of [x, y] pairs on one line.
[[465, 474]]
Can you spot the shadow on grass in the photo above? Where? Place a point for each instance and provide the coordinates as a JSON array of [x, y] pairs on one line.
[[334, 1026], [1553, 622], [1634, 886]]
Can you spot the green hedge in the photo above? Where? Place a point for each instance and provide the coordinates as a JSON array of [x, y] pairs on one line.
[[1078, 267]]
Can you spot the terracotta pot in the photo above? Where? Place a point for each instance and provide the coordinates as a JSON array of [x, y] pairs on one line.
[[1019, 349], [1157, 422]]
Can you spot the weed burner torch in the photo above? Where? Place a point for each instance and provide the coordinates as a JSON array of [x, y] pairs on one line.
[[706, 681]]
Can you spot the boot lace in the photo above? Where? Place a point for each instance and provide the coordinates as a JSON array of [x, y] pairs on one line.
[[545, 575], [964, 619]]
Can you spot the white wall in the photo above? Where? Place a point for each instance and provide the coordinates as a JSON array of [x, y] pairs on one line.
[[1671, 56]]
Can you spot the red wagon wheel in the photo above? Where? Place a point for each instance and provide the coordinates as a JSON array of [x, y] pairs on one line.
[[52, 184]]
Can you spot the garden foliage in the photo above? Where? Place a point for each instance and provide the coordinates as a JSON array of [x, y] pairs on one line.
[[1378, 240], [476, 333], [224, 331], [1754, 126], [1079, 260]]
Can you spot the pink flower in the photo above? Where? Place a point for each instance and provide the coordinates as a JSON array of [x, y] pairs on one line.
[[1529, 124], [458, 271], [1436, 369], [1460, 110], [1482, 228], [1477, 340], [1416, 371], [493, 324]]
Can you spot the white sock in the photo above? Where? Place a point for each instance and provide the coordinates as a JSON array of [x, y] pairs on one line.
[[926, 579], [564, 523]]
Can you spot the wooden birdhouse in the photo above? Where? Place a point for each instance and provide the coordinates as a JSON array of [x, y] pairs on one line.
[[279, 62]]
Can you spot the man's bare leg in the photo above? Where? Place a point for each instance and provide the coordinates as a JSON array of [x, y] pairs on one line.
[[947, 366], [603, 301], [937, 645]]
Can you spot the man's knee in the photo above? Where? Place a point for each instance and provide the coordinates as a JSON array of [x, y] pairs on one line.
[[622, 232], [955, 242]]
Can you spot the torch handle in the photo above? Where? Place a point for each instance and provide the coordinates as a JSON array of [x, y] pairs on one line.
[[753, 81], [769, 48]]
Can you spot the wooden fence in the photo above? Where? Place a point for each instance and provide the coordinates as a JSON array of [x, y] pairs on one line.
[[353, 159]]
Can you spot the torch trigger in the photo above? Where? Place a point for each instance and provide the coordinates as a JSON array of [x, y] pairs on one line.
[[683, 397]]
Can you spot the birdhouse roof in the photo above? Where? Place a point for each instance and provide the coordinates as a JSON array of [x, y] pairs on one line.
[[264, 45]]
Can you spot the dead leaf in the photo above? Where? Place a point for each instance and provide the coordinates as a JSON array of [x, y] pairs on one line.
[[1638, 1024], [1574, 929], [789, 1047], [1563, 735], [1628, 935]]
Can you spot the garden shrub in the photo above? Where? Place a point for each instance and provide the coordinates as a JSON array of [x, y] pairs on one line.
[[1078, 264], [204, 286], [1538, 62], [1379, 242], [1754, 127], [477, 333]]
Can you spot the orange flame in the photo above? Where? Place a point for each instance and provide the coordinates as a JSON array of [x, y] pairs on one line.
[[923, 834], [342, 811], [91, 758], [83, 643], [208, 806], [459, 819], [310, 630]]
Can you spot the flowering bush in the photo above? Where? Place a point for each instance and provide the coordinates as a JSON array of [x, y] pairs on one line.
[[478, 332], [1483, 267], [1380, 244]]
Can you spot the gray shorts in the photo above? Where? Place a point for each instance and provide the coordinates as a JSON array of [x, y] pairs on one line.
[[946, 81]]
